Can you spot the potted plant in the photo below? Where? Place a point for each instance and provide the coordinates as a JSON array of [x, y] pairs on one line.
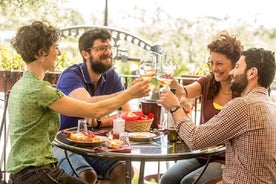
[[11, 68]]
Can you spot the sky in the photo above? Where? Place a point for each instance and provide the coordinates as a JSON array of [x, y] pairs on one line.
[[258, 12]]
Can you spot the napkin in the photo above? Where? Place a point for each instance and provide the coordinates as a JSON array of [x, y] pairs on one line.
[[99, 149], [131, 116], [68, 131], [101, 132], [126, 149]]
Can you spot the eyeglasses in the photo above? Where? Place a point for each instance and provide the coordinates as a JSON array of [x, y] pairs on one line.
[[101, 48]]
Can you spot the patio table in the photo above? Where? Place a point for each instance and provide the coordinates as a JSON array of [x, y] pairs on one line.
[[153, 150]]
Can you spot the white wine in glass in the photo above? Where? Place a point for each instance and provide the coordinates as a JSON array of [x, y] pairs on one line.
[[165, 75], [147, 66], [164, 81], [147, 74]]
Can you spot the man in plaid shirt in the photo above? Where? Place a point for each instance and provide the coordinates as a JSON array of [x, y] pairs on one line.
[[246, 125]]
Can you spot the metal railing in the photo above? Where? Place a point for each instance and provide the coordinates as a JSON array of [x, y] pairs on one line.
[[117, 36], [4, 140]]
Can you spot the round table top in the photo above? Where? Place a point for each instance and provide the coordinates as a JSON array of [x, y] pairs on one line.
[[153, 150]]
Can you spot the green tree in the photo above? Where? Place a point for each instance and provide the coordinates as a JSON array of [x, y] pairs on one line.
[[19, 12], [187, 38]]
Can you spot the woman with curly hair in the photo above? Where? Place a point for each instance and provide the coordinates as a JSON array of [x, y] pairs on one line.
[[214, 92]]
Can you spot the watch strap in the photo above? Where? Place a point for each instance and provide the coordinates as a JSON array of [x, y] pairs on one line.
[[174, 108], [99, 122]]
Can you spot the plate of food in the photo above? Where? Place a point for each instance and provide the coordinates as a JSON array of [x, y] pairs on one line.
[[114, 144], [141, 136], [86, 138]]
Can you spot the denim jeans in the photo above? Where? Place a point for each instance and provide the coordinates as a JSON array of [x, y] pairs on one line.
[[187, 171], [102, 167], [53, 175]]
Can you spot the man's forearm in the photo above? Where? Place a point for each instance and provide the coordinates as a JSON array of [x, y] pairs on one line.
[[101, 97]]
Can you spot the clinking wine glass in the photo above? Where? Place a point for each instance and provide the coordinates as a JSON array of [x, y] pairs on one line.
[[147, 66], [165, 75]]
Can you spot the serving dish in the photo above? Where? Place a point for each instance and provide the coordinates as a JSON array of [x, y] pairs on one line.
[[141, 136], [89, 143]]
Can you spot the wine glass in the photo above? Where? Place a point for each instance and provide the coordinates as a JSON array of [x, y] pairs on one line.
[[147, 71], [165, 73], [147, 66]]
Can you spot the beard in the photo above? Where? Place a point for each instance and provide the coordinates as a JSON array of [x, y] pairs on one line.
[[239, 83], [99, 67]]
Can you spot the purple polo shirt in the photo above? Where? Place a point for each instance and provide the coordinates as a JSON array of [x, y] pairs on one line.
[[76, 76]]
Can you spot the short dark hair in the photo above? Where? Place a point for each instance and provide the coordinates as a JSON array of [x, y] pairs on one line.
[[87, 39], [264, 61], [30, 40]]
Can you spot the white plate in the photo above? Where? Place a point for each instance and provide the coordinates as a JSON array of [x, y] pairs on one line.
[[141, 136], [103, 139]]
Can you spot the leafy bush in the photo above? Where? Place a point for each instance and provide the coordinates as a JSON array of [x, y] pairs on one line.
[[63, 61], [13, 61], [10, 60]]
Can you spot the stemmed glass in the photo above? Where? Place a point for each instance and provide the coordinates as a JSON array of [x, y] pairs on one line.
[[147, 70], [165, 75], [165, 72], [147, 66]]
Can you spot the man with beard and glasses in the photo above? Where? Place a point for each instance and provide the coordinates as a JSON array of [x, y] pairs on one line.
[[246, 124], [91, 81]]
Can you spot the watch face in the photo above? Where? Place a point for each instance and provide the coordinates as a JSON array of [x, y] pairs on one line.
[[174, 108]]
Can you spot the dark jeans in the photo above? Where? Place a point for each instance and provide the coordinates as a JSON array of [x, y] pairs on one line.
[[38, 175]]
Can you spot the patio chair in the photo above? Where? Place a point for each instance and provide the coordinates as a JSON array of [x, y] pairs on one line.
[[3, 129]]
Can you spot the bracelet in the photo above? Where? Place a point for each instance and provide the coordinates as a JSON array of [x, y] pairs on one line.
[[99, 122], [186, 92]]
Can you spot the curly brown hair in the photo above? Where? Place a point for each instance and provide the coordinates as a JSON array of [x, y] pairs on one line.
[[231, 48], [32, 40]]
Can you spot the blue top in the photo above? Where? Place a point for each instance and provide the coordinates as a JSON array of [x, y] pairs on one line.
[[76, 76]]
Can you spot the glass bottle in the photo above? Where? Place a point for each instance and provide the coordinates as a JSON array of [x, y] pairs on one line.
[[172, 133], [118, 124]]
